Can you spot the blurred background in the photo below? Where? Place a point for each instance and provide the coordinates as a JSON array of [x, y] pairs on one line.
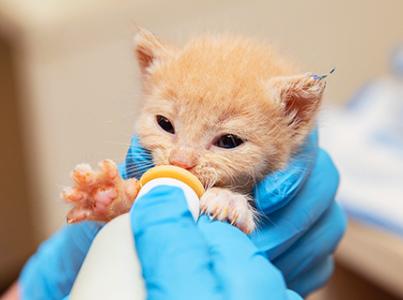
[[69, 93]]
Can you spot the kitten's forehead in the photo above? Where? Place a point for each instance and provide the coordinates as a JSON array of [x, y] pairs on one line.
[[225, 71], [211, 107]]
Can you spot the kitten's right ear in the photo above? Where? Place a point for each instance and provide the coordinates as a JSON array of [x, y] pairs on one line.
[[149, 50], [299, 98]]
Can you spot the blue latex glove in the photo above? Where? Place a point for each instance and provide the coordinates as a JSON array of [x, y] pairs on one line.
[[50, 273], [301, 230], [301, 223], [208, 260]]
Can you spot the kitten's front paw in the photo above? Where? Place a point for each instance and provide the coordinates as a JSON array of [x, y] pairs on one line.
[[99, 195], [225, 205]]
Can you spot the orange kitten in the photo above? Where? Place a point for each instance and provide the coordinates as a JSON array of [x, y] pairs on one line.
[[228, 109]]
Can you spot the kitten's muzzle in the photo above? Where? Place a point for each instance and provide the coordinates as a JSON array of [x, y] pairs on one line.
[[185, 158]]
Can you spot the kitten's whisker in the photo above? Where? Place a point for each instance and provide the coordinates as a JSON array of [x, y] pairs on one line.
[[139, 155], [140, 150], [140, 169], [140, 161], [141, 164], [212, 179], [136, 173]]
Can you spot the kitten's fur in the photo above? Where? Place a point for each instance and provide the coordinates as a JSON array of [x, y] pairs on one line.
[[210, 87]]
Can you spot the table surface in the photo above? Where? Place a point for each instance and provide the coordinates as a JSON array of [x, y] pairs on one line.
[[375, 254]]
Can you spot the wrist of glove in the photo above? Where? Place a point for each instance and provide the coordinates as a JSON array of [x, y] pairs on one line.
[[51, 271]]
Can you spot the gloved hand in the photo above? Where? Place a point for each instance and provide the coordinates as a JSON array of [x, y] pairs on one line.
[[208, 260], [51, 271], [300, 214], [301, 224]]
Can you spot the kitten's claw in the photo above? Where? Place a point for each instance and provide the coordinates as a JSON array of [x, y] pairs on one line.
[[235, 218], [225, 205], [99, 195]]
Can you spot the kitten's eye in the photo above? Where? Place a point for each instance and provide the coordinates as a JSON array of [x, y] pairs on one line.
[[228, 141], [165, 124]]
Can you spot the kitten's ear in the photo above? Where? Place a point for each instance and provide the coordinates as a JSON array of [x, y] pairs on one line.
[[149, 50], [299, 97]]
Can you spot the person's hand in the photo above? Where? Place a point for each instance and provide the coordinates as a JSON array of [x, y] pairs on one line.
[[182, 259], [301, 224], [51, 271], [293, 235]]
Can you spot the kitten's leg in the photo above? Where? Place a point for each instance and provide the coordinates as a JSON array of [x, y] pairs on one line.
[[224, 204], [99, 195]]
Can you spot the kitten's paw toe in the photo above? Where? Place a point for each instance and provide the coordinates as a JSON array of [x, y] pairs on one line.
[[131, 188], [241, 215], [103, 198], [74, 195], [109, 170], [84, 176], [225, 205]]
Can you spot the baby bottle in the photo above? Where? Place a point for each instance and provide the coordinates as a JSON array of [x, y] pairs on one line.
[[111, 269]]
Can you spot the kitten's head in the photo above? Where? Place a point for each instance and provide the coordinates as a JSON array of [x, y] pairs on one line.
[[227, 109]]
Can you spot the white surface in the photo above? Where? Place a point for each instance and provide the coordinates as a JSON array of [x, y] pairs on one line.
[[111, 269], [374, 254], [366, 142]]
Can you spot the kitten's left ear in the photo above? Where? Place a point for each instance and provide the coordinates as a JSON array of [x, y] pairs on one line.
[[149, 50], [299, 97]]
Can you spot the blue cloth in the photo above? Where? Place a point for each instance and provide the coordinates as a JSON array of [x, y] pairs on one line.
[[299, 230]]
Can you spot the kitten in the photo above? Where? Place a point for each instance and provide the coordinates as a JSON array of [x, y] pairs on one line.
[[229, 110]]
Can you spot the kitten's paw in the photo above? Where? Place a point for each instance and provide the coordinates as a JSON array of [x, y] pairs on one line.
[[225, 205], [99, 195]]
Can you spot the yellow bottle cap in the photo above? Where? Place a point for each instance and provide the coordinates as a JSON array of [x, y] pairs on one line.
[[174, 172]]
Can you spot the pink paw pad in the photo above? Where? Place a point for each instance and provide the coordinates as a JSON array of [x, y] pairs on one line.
[[103, 198], [99, 195]]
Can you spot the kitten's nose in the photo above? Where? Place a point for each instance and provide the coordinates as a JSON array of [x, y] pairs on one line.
[[181, 164], [184, 158]]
